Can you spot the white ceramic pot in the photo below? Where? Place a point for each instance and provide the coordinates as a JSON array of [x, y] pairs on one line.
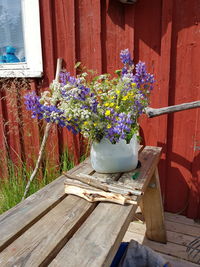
[[112, 158]]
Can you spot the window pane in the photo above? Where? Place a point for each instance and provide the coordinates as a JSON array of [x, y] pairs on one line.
[[11, 32]]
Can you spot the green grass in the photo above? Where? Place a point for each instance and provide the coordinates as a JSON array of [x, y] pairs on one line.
[[12, 189]]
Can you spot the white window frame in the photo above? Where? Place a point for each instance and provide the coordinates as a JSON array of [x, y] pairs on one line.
[[33, 66]]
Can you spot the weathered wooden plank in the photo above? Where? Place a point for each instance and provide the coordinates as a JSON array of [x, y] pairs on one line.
[[173, 237], [88, 34], [153, 211], [164, 83], [98, 237], [30, 131], [182, 228], [3, 151], [169, 248], [12, 121], [66, 49], [129, 28], [41, 242], [180, 219], [182, 126], [114, 31], [179, 238], [147, 41], [47, 16], [149, 158], [173, 258], [176, 262], [15, 221]]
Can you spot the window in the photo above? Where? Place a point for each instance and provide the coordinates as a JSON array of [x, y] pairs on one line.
[[20, 41]]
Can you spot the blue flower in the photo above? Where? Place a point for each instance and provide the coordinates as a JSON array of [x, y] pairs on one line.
[[142, 77], [125, 57]]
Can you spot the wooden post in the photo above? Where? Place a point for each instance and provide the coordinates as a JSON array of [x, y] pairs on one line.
[[154, 112], [153, 211]]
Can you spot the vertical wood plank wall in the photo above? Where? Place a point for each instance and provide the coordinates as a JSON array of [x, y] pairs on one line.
[[163, 33]]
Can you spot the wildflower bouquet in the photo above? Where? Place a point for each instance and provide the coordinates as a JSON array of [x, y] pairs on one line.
[[103, 106]]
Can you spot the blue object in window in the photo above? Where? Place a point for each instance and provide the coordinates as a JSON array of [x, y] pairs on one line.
[[10, 55], [23, 59], [2, 59]]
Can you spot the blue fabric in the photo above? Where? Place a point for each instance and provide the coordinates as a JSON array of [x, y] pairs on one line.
[[122, 248]]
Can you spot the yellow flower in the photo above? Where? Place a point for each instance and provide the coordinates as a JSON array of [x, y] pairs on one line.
[[85, 123], [107, 113], [112, 104], [134, 84], [106, 104], [117, 107], [108, 126], [95, 124], [125, 97], [130, 94], [117, 92]]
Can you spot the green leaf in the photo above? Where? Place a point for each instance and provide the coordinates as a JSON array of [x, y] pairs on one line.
[[118, 72], [77, 65]]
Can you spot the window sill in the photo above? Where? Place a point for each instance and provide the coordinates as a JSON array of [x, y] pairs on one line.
[[18, 70]]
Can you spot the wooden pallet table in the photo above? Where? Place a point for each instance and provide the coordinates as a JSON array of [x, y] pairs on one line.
[[51, 228]]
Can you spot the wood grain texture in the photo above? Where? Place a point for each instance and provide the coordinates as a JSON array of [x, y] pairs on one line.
[[182, 228], [176, 262], [65, 32], [47, 16], [182, 126], [30, 131], [170, 248], [147, 48], [172, 236], [164, 84], [175, 247], [177, 218], [149, 158], [32, 209], [98, 238], [88, 34], [12, 120], [41, 242], [3, 151], [153, 211]]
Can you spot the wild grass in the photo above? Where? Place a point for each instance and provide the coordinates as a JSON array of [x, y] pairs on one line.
[[12, 189]]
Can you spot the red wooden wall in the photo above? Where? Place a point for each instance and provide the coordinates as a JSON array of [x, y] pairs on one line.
[[163, 33]]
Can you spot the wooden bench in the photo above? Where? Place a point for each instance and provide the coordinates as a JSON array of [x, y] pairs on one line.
[[51, 228]]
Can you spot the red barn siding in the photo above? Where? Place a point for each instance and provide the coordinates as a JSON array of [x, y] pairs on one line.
[[163, 33], [3, 150]]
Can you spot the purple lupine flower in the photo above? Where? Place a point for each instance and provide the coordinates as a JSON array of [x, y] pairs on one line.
[[64, 76], [94, 105], [125, 57], [33, 104], [120, 126], [124, 71], [72, 80], [142, 77]]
